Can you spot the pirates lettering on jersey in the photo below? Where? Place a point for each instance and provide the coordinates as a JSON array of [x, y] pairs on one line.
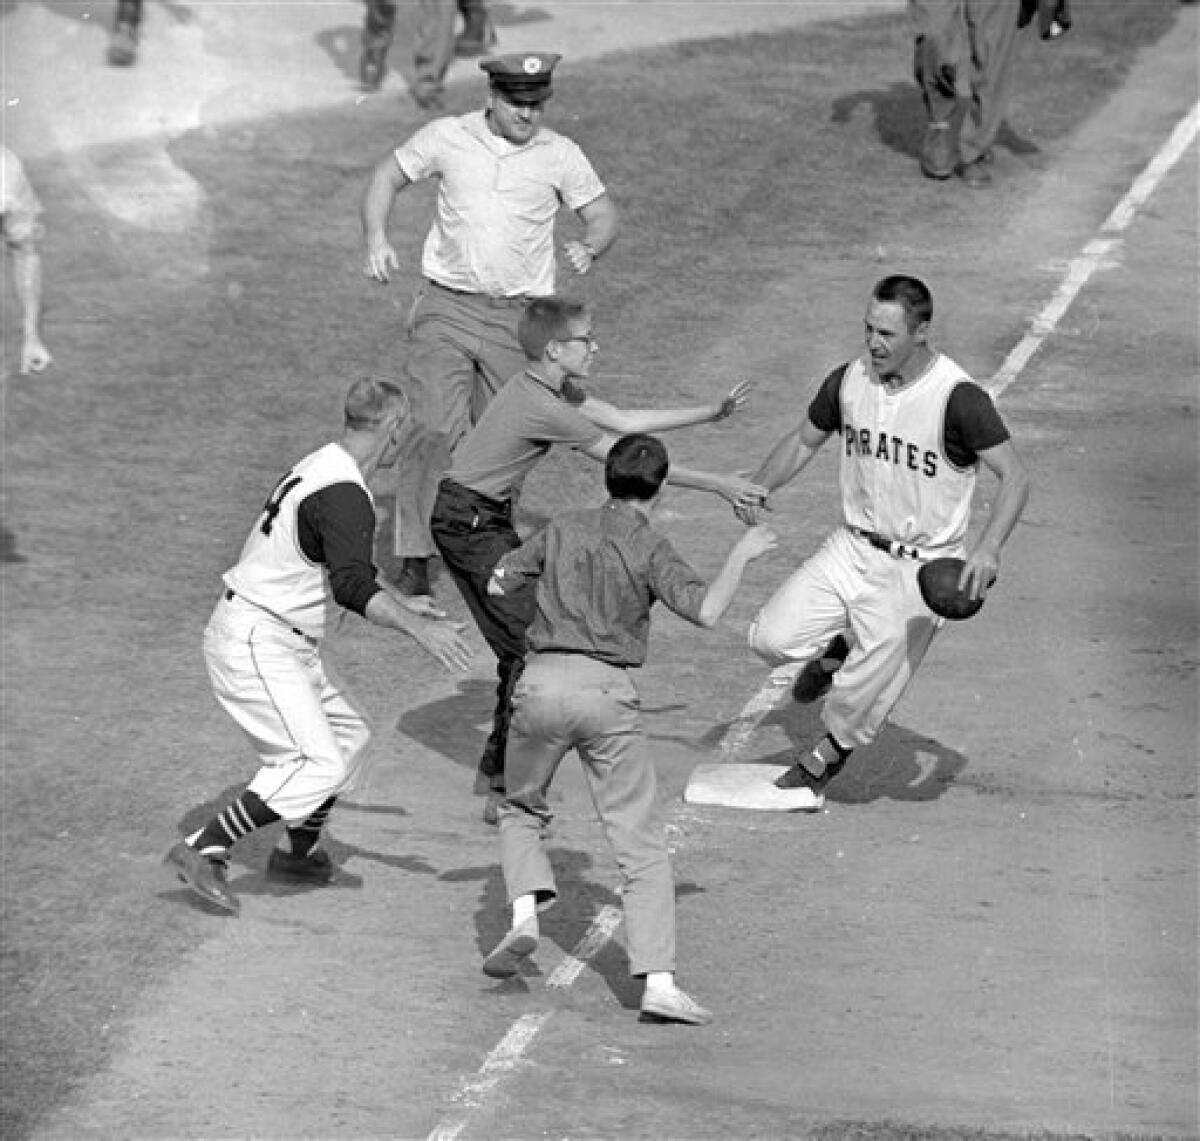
[[897, 480], [890, 449]]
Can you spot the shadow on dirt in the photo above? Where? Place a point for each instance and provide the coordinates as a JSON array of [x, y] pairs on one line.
[[899, 119], [455, 726], [248, 859], [565, 924], [899, 765]]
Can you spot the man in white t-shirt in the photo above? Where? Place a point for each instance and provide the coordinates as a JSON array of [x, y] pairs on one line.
[[503, 178]]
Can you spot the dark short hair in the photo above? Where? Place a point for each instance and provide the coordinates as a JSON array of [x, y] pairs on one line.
[[547, 319], [636, 467], [372, 400], [910, 293]]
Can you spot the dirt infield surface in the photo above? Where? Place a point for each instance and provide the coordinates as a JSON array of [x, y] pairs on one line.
[[990, 932]]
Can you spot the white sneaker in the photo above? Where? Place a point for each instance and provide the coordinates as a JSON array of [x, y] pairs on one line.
[[505, 961], [673, 1006]]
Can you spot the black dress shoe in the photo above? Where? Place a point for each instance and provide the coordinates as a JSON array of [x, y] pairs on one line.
[[413, 577]]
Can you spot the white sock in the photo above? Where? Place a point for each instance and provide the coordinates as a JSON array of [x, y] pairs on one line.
[[524, 908], [660, 980]]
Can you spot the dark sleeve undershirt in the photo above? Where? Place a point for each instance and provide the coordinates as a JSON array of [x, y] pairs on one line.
[[336, 527], [825, 411], [972, 424]]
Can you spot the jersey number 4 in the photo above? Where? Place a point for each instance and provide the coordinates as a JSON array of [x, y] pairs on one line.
[[273, 504]]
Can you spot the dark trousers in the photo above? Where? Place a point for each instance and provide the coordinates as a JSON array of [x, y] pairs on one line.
[[472, 534], [129, 12]]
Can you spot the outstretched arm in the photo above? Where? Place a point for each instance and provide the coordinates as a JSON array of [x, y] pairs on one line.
[[786, 460], [622, 421], [387, 180], [436, 636], [754, 542], [732, 488], [983, 560]]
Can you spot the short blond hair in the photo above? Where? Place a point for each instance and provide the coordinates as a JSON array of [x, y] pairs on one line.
[[371, 401]]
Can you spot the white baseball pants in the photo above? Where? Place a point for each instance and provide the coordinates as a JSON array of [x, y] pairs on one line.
[[851, 588], [272, 682]]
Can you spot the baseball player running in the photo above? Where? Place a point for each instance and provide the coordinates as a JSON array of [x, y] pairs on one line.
[[311, 544], [914, 429]]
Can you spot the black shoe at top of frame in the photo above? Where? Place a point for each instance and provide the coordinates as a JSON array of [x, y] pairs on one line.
[[122, 48], [372, 67]]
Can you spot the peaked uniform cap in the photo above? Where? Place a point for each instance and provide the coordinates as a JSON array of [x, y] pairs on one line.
[[522, 76]]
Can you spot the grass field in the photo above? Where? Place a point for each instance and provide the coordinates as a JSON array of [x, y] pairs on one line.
[[192, 367]]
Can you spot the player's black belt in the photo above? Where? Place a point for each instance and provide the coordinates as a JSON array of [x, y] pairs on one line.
[[486, 298], [883, 543], [230, 595]]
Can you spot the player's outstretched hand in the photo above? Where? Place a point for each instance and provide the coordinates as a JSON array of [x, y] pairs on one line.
[[738, 395], [422, 604], [380, 259], [442, 639], [757, 541], [739, 492]]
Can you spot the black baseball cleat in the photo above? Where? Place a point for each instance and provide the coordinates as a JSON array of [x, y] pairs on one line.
[[800, 776], [814, 680], [316, 867], [204, 875]]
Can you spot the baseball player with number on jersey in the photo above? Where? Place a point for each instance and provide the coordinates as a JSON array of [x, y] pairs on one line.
[[311, 545], [913, 429]]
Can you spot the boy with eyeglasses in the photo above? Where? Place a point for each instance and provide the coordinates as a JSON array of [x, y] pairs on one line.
[[473, 515]]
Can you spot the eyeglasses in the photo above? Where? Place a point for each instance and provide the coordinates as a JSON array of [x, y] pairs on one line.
[[587, 338]]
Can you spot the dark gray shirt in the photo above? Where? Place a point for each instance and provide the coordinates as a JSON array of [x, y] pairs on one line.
[[599, 571]]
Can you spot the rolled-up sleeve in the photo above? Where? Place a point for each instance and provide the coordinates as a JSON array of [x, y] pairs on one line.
[[674, 583]]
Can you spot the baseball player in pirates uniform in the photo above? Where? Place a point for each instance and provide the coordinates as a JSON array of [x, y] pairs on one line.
[[913, 429], [311, 545]]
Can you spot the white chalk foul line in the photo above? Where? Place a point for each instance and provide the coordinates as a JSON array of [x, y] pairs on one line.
[[1096, 252], [502, 1060], [512, 1047], [521, 1035]]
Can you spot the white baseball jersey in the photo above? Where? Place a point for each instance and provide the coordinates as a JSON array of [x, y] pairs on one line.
[[896, 477], [273, 572]]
